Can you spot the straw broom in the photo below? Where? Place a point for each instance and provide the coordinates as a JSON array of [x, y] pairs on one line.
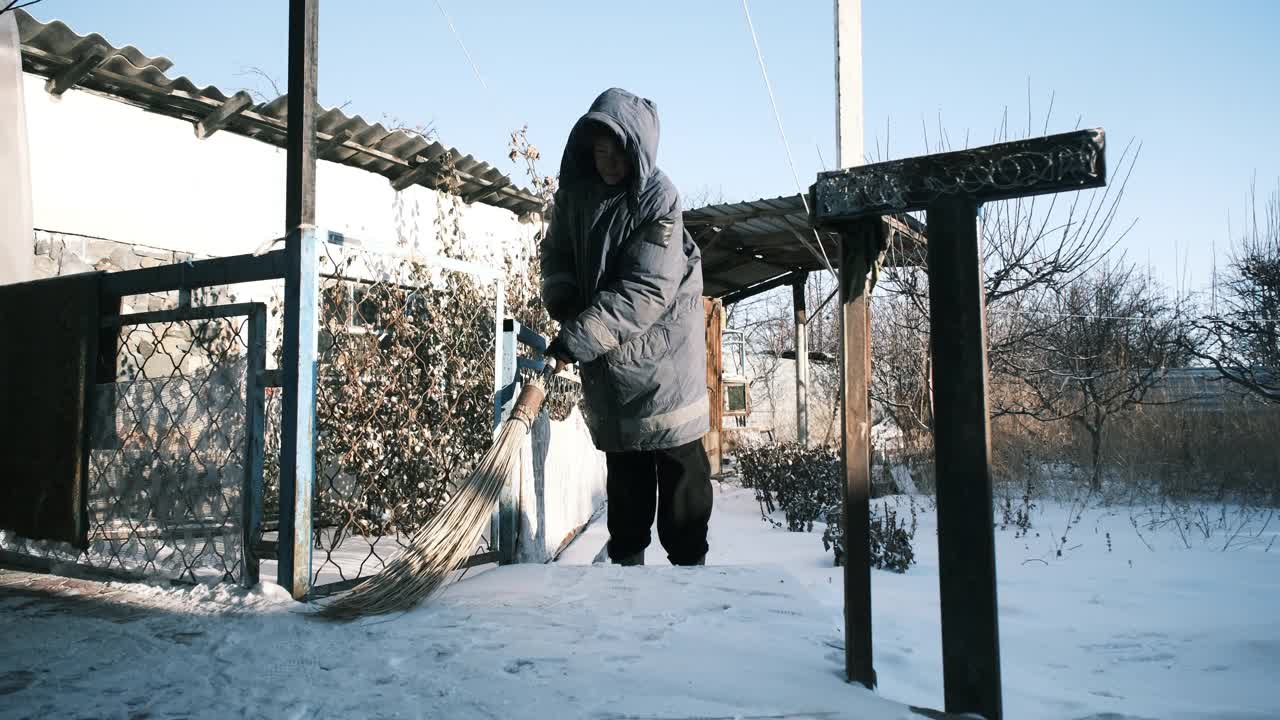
[[442, 546]]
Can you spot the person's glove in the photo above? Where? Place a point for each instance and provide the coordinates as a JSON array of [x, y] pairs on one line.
[[559, 352]]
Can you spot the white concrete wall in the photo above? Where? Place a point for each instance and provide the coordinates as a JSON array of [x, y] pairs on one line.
[[116, 174], [15, 180], [554, 459]]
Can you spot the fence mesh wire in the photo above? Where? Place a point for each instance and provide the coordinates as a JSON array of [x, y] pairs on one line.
[[167, 455], [404, 403]]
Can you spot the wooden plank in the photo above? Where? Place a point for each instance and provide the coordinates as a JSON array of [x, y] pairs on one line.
[[742, 293], [416, 174], [962, 442], [71, 76], [855, 268], [714, 315], [1069, 161], [488, 191], [335, 141], [219, 118]]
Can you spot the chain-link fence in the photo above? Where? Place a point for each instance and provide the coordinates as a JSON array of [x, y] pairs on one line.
[[404, 402], [184, 468], [172, 474]]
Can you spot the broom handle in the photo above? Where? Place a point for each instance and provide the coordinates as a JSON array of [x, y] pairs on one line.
[[531, 396]]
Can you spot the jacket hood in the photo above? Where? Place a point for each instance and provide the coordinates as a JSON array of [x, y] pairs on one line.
[[633, 119]]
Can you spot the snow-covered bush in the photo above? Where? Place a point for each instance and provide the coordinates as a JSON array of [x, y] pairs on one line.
[[803, 482], [892, 536], [807, 485]]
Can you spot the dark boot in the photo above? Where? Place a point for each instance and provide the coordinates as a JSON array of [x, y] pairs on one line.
[[700, 560], [631, 560]]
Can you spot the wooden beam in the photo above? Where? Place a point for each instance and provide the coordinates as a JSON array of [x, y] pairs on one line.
[[416, 174], [742, 293], [1055, 163], [335, 141], [962, 445], [218, 119], [855, 268], [485, 193], [77, 71]]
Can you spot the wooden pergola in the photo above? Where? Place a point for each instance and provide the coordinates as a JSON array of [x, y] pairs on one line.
[[855, 210]]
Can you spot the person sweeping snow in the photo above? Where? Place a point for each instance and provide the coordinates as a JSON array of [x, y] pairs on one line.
[[624, 280]]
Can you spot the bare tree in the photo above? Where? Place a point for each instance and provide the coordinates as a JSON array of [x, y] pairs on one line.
[[1106, 340], [1031, 248], [1239, 336]]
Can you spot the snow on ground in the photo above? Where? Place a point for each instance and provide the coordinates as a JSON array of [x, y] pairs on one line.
[[1125, 632], [1160, 632]]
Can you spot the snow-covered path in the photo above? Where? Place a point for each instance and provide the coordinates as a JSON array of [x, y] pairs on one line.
[[1107, 631]]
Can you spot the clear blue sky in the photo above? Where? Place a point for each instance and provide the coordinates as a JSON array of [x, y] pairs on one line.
[[1194, 81]]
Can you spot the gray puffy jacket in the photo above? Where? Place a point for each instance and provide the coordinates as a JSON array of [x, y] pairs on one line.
[[625, 281]]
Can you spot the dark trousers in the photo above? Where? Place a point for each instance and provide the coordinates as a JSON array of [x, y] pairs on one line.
[[677, 483]]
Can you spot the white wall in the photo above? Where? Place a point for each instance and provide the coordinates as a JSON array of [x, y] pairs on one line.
[[104, 169], [15, 182]]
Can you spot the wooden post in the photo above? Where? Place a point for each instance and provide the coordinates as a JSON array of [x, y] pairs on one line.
[[713, 440], [297, 450], [855, 268], [802, 359], [962, 442]]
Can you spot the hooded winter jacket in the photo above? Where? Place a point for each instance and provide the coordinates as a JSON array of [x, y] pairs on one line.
[[624, 279]]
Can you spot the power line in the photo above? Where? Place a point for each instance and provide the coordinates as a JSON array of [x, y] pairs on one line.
[[777, 116], [475, 68]]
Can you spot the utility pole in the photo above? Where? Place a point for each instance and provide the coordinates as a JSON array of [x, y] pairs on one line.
[[849, 83]]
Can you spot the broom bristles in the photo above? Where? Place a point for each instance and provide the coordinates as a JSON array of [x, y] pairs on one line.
[[442, 546]]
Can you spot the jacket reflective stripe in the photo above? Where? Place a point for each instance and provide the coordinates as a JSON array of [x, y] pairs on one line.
[[667, 420]]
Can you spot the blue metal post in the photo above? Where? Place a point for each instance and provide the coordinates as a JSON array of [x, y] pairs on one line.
[[298, 380], [503, 526]]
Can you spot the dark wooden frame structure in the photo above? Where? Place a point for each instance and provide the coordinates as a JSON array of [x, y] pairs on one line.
[[950, 188]]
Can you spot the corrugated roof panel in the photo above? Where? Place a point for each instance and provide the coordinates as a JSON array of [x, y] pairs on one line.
[[132, 76]]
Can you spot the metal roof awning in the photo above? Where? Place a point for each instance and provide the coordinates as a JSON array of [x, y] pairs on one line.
[[752, 247], [54, 51]]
